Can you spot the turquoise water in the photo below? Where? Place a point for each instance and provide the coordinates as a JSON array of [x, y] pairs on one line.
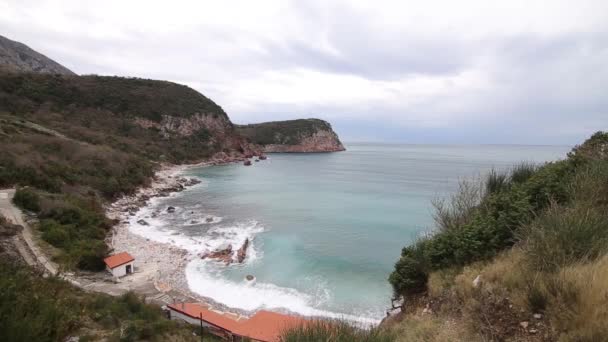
[[326, 229]]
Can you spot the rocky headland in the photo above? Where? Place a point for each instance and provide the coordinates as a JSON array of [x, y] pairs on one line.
[[293, 136]]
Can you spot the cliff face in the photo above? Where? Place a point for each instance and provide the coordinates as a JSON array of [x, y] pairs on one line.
[[304, 135], [19, 57]]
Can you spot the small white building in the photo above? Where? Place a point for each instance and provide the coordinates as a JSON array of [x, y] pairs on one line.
[[120, 264]]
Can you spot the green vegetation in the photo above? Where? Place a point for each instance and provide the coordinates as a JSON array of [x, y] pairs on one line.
[[289, 132], [110, 112], [127, 97], [33, 308], [70, 143], [335, 331], [75, 225], [481, 220], [27, 199], [536, 238]]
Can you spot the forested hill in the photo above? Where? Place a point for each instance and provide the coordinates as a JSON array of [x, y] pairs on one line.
[[302, 135], [156, 119], [72, 143]]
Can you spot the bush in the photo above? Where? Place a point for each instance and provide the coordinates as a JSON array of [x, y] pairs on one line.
[[78, 228], [479, 221], [521, 172], [33, 308], [28, 199], [409, 276], [458, 209], [335, 331], [562, 236]]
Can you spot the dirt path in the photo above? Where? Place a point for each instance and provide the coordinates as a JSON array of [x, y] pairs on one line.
[[141, 282], [13, 213]]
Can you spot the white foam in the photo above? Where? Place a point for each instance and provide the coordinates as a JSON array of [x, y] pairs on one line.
[[205, 280], [204, 276]]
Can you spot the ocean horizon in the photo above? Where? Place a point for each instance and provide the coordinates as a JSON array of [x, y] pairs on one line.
[[325, 228]]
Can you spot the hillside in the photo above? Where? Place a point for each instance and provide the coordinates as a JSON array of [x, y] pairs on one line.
[[521, 256], [19, 57], [303, 135], [158, 120]]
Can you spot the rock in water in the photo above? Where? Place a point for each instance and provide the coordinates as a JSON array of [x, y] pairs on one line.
[[249, 277], [222, 254], [142, 222], [242, 252], [171, 209]]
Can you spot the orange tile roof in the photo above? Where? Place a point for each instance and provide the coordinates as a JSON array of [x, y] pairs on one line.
[[197, 311], [263, 326], [116, 260], [268, 326]]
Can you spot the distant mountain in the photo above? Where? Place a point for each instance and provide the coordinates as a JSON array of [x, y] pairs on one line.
[[19, 57], [302, 135]]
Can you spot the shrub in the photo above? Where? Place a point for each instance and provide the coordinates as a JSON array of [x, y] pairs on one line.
[[521, 172], [480, 221], [409, 276], [593, 149], [562, 236], [89, 255], [496, 181], [335, 331], [28, 199], [458, 210], [33, 308]]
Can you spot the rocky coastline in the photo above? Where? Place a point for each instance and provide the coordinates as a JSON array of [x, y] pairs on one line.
[[165, 263]]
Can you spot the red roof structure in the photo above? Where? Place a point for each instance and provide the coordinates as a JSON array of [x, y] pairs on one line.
[[268, 326], [116, 260], [263, 326], [197, 311]]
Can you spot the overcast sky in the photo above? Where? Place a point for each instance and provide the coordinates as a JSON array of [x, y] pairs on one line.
[[521, 72]]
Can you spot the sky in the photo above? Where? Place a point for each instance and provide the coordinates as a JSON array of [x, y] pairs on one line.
[[462, 72]]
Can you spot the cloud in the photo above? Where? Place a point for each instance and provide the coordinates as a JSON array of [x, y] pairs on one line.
[[439, 71]]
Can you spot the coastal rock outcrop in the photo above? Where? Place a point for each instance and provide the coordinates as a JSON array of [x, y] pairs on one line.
[[226, 253], [222, 254], [242, 252], [292, 136]]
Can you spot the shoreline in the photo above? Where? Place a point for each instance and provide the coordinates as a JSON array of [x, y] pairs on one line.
[[161, 264]]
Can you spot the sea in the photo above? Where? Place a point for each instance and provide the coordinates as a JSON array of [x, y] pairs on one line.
[[325, 229]]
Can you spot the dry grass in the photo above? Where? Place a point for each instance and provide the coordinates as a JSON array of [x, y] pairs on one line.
[[416, 328], [578, 301]]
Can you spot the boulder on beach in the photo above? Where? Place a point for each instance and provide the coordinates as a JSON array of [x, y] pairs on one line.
[[208, 219]]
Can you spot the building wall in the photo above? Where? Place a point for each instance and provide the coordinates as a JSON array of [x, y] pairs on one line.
[[121, 270], [180, 316]]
